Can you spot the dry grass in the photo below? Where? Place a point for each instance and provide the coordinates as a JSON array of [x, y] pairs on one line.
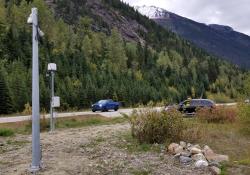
[[218, 114], [67, 122], [223, 139]]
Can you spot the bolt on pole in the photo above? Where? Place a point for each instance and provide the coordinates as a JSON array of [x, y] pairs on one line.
[[36, 152]]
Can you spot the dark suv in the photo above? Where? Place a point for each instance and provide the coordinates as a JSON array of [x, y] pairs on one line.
[[190, 106]]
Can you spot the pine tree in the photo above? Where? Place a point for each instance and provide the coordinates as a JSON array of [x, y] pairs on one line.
[[5, 101]]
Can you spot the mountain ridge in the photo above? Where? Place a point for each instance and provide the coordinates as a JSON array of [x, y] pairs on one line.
[[218, 40]]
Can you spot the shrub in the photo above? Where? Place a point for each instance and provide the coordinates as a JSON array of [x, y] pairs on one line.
[[5, 132], [27, 109], [217, 114], [151, 126], [244, 118]]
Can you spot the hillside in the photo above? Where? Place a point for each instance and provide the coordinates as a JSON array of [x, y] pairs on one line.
[[218, 40], [104, 49]]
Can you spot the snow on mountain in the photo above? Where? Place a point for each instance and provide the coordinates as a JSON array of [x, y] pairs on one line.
[[152, 12]]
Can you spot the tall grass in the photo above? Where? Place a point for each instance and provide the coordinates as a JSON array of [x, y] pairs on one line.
[[218, 114]]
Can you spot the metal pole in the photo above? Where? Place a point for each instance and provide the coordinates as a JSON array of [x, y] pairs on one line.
[[36, 152], [52, 122]]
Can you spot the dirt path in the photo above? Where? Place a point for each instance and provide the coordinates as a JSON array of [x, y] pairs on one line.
[[90, 150]]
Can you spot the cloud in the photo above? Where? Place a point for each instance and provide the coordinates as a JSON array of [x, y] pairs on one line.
[[233, 13]]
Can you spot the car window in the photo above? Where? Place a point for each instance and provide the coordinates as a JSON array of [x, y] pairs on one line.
[[102, 101], [195, 103]]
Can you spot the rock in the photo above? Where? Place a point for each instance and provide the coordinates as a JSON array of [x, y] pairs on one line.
[[174, 148], [195, 150], [199, 156], [217, 158], [215, 170], [197, 146], [208, 151], [183, 144], [213, 163], [178, 150], [212, 157], [186, 154], [201, 164], [185, 160], [189, 145]]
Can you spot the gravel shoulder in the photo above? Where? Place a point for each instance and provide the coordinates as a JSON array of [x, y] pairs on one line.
[[88, 150]]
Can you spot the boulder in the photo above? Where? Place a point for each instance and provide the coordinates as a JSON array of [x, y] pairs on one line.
[[208, 151], [195, 150], [201, 164], [186, 154], [212, 157], [178, 150], [185, 160], [215, 170], [197, 146], [183, 144], [199, 156], [217, 158], [175, 148]]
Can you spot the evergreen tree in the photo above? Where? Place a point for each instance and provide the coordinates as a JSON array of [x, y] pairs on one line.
[[5, 100]]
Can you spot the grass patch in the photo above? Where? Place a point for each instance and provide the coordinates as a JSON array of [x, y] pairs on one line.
[[141, 172], [132, 145], [6, 132], [245, 162], [69, 122]]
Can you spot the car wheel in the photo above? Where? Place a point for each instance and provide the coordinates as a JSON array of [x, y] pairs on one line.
[[116, 108], [93, 110]]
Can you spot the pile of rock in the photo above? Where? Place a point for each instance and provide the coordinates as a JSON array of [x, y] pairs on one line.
[[188, 154]]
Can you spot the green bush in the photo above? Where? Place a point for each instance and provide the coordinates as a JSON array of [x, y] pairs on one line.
[[151, 126], [5, 132], [217, 114], [244, 118]]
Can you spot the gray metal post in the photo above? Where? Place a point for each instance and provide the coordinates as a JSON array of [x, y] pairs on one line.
[[36, 152], [52, 120]]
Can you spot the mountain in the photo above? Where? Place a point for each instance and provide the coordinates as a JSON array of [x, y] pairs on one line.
[[219, 40]]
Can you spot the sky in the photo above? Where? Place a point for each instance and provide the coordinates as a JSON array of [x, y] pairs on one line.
[[234, 13]]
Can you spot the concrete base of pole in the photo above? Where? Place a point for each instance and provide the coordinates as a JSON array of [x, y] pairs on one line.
[[34, 169]]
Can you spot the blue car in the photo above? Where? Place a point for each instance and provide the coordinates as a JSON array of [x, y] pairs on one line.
[[105, 105]]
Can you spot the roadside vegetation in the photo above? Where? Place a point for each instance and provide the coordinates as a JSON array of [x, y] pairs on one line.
[[225, 129], [10, 129]]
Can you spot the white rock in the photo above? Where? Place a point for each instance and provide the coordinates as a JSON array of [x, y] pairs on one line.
[[183, 144], [201, 164], [195, 150], [199, 156]]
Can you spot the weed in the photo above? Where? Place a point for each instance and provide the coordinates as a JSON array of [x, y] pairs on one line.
[[6, 132]]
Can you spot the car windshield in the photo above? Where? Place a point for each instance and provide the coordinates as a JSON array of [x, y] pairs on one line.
[[102, 101]]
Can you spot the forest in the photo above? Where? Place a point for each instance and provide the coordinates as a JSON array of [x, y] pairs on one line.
[[95, 65]]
